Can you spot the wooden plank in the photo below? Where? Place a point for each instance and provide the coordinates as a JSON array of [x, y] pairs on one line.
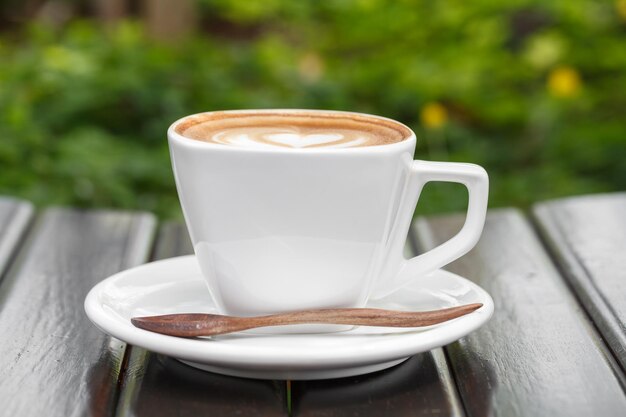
[[53, 361], [421, 386], [15, 216], [173, 240], [539, 355], [155, 385], [587, 236]]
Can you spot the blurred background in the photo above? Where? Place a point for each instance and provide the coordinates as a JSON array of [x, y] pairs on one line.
[[535, 91]]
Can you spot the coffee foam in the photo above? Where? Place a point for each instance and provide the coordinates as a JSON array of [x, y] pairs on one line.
[[295, 130]]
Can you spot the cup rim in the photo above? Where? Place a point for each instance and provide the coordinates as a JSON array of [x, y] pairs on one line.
[[409, 141]]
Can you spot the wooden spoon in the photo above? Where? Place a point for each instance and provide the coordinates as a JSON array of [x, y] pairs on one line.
[[198, 324]]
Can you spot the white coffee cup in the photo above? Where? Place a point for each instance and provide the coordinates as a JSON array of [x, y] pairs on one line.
[[278, 229]]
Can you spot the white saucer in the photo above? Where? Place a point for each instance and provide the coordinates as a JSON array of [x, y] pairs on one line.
[[176, 285]]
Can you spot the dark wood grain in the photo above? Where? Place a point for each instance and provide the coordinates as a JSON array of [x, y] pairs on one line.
[[53, 361], [15, 216], [155, 385], [539, 355], [587, 236], [173, 240], [421, 386]]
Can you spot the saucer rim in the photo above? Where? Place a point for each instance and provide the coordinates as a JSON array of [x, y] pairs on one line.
[[265, 357]]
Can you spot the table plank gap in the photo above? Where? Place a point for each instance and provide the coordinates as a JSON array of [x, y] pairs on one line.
[[155, 385], [15, 218], [54, 362], [587, 237], [538, 355]]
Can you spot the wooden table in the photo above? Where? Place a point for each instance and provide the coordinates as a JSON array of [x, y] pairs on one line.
[[556, 345]]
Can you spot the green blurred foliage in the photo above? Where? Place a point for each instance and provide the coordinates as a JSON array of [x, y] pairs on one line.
[[84, 109]]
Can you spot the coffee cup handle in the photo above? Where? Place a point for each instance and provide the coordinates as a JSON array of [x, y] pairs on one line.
[[476, 180]]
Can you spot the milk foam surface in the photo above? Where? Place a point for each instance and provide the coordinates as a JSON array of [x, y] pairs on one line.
[[291, 137], [294, 131]]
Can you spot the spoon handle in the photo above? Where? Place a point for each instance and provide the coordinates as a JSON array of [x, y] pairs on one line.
[[199, 324]]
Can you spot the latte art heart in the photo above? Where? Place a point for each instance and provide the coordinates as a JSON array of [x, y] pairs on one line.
[[290, 131], [296, 140], [264, 138]]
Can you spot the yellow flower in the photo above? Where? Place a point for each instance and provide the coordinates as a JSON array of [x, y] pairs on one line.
[[433, 115], [564, 82], [620, 7]]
